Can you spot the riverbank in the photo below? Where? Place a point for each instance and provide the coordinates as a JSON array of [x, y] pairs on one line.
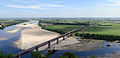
[[78, 45], [6, 23], [32, 36], [3, 39]]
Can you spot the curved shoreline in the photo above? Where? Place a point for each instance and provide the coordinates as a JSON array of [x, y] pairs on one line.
[[32, 36]]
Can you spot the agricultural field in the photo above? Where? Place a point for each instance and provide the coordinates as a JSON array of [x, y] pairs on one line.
[[104, 28], [107, 31], [61, 28]]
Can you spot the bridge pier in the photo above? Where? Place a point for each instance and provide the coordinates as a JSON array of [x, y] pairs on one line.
[[67, 36], [71, 34], [48, 44], [36, 49], [63, 37], [57, 41], [19, 56]]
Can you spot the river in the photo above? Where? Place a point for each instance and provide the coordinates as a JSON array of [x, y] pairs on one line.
[[7, 45]]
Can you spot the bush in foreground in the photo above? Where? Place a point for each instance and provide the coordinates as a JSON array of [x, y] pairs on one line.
[[5, 56]]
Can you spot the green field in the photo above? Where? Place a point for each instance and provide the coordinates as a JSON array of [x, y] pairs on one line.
[[102, 27], [61, 28], [106, 29], [64, 25]]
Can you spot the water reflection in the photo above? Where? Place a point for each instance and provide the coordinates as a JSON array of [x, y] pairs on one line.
[[7, 39], [103, 48]]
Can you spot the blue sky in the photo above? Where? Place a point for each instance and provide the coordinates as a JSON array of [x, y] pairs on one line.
[[59, 8]]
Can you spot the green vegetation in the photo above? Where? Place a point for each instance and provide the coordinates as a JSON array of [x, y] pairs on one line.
[[36, 55], [39, 55], [98, 36], [48, 55], [106, 31], [66, 55], [70, 21], [6, 23], [61, 28], [103, 30], [99, 29], [5, 56]]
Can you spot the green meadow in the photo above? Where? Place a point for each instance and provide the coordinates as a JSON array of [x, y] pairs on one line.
[[99, 27], [62, 28], [104, 29]]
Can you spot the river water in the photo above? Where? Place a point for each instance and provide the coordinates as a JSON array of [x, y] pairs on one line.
[[98, 50], [7, 45]]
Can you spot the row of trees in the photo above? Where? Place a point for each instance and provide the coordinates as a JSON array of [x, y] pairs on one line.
[[7, 23], [66, 22], [98, 36]]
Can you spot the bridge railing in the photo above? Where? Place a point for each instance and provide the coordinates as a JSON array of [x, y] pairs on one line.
[[68, 34]]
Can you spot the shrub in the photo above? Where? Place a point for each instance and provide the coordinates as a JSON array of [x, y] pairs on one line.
[[5, 56], [68, 55], [98, 36]]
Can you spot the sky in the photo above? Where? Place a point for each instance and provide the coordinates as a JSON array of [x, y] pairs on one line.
[[59, 8]]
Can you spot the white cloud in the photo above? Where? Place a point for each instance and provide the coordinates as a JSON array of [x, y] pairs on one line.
[[111, 3], [50, 5], [21, 6], [41, 7]]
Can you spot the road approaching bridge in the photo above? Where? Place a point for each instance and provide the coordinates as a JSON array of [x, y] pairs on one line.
[[64, 36]]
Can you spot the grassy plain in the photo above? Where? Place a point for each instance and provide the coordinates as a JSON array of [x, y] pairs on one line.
[[105, 29], [62, 28]]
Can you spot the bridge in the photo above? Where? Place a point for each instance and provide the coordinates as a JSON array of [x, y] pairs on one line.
[[36, 48]]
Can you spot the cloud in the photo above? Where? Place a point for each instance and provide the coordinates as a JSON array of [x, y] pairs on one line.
[[50, 5], [111, 3], [21, 6], [41, 7]]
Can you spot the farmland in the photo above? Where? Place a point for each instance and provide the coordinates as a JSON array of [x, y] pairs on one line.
[[106, 31], [61, 28], [105, 28]]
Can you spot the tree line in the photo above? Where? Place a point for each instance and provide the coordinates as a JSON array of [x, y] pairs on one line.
[[98, 36]]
